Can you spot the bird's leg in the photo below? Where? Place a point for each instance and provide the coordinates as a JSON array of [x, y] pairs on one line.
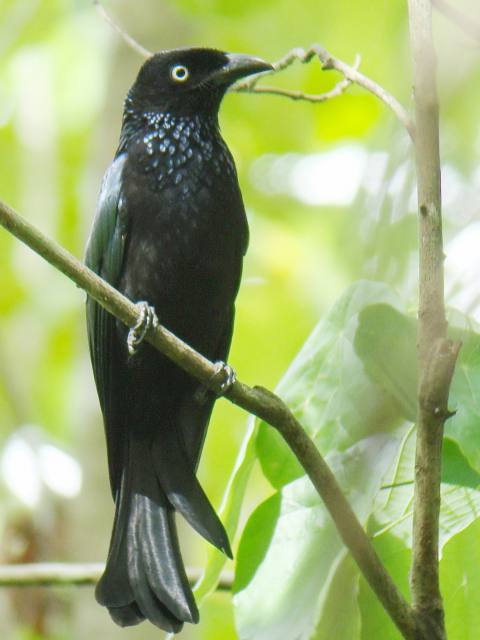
[[147, 319]]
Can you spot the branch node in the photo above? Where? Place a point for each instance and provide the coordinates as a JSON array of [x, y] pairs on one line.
[[437, 376]]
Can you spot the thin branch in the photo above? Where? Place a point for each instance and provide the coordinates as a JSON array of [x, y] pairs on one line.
[[256, 400], [61, 574], [131, 42], [436, 354], [328, 62], [466, 23], [252, 87], [294, 94]]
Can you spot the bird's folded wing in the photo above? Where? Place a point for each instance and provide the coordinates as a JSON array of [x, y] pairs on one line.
[[104, 255]]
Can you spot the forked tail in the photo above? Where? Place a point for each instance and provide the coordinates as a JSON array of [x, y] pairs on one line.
[[145, 577]]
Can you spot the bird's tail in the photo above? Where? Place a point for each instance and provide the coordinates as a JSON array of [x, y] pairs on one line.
[[145, 577]]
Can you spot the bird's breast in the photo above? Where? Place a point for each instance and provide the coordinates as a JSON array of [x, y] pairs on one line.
[[187, 225], [170, 149]]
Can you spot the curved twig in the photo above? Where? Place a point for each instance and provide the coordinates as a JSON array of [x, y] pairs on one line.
[[337, 90], [328, 62]]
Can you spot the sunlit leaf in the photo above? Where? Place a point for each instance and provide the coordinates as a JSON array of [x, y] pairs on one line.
[[229, 513], [340, 613], [386, 343], [460, 506], [290, 549], [375, 621], [463, 428], [460, 584]]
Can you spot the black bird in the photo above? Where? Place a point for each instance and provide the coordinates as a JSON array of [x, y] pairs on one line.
[[170, 229]]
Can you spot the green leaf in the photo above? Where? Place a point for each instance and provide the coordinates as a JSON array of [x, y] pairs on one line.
[[460, 584], [460, 506], [328, 389], [229, 513], [341, 614], [290, 550], [463, 428], [258, 533], [456, 468], [375, 621], [386, 342]]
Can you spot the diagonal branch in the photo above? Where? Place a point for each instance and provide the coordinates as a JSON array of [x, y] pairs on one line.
[[256, 400]]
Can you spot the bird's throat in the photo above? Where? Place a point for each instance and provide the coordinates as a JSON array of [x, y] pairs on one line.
[[174, 149]]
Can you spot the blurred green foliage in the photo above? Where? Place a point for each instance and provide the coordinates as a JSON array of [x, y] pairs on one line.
[[63, 77]]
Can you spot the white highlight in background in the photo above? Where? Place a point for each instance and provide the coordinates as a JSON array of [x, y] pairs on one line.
[[30, 465]]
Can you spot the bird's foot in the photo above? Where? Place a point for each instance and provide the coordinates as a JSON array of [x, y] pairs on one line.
[[223, 378], [221, 381], [147, 319]]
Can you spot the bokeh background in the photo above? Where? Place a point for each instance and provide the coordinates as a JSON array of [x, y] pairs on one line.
[[329, 190]]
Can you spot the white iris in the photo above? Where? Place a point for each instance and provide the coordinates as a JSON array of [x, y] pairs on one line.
[[179, 73]]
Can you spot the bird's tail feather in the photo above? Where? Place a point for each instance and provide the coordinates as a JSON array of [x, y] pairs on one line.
[[176, 475], [145, 576]]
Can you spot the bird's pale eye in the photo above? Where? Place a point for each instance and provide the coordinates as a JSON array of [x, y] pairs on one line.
[[179, 73]]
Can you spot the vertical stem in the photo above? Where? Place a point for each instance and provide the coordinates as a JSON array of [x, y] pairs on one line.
[[436, 354]]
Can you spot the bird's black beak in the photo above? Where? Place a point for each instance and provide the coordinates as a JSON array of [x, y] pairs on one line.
[[239, 66]]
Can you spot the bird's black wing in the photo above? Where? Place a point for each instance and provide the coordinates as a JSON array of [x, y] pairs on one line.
[[104, 255]]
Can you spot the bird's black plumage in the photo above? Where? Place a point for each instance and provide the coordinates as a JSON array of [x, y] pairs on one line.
[[170, 229]]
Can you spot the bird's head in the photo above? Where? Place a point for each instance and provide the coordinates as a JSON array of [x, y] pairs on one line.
[[190, 81]]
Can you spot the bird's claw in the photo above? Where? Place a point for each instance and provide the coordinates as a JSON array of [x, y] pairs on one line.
[[220, 382], [147, 319], [223, 378]]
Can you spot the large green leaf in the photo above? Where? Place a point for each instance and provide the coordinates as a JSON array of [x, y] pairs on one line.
[[328, 390], [385, 341], [290, 551]]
